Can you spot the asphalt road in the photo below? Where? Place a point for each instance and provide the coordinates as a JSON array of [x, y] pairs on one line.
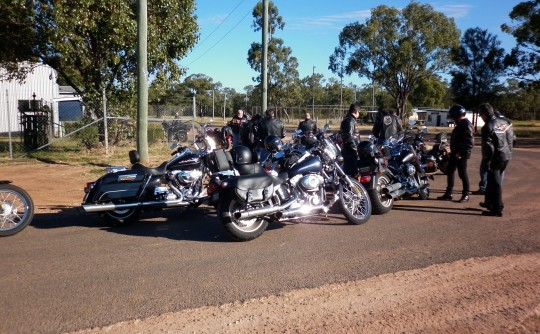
[[69, 271]]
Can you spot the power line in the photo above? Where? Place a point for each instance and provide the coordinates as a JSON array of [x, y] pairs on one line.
[[222, 38]]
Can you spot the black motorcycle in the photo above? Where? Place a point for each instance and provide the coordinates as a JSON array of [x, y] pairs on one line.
[[436, 159], [305, 185], [405, 168], [16, 209], [121, 194]]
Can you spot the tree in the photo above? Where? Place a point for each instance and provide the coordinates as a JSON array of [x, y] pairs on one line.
[[396, 48], [283, 77], [524, 59], [429, 92], [92, 43], [479, 65]]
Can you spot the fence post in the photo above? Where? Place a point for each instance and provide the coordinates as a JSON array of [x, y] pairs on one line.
[[9, 126], [104, 98]]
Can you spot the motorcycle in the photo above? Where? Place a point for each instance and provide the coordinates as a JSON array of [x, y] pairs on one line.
[[176, 130], [437, 157], [16, 209], [122, 193], [405, 169], [305, 185]]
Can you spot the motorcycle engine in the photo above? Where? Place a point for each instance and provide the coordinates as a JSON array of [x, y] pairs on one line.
[[408, 170], [311, 182], [187, 176]]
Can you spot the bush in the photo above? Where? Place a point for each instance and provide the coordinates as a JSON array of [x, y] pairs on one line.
[[155, 133], [88, 137]]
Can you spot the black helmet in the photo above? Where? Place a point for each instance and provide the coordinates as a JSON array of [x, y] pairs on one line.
[[456, 111], [367, 150], [273, 143], [241, 155]]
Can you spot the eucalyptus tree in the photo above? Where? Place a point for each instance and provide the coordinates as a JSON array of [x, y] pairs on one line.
[[397, 48], [479, 64], [92, 43], [524, 59]]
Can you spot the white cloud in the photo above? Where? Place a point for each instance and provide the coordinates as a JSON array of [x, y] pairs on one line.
[[455, 11], [337, 21]]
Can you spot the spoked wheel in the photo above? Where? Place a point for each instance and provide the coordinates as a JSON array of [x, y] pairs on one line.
[[354, 201], [240, 230], [381, 203], [121, 216], [181, 136], [16, 209]]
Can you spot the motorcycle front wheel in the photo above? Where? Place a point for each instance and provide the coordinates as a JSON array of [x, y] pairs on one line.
[[421, 178], [240, 230], [16, 209], [354, 201]]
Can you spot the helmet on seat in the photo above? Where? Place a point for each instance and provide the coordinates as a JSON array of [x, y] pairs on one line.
[[241, 155], [441, 137], [367, 150], [273, 144], [456, 111]]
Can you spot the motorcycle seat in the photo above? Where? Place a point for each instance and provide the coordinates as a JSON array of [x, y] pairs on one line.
[[160, 170], [254, 181], [248, 169]]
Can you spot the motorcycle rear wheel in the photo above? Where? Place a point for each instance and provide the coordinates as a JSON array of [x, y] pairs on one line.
[[16, 209], [354, 202], [380, 203], [240, 230], [421, 178], [121, 216]]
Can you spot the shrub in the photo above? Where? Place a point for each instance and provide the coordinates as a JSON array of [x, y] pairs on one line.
[[155, 133]]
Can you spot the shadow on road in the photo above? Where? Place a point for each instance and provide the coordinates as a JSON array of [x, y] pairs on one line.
[[196, 224]]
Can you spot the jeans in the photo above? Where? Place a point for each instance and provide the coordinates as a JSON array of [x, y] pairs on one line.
[[461, 166], [493, 196]]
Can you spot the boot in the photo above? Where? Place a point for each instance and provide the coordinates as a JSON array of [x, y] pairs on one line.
[[464, 198]]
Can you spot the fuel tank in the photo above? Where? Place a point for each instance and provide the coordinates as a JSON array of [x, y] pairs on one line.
[[311, 164]]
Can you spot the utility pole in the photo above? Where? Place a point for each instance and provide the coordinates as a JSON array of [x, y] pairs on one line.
[[142, 87], [313, 93], [264, 67]]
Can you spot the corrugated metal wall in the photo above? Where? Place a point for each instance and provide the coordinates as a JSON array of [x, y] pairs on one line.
[[41, 82]]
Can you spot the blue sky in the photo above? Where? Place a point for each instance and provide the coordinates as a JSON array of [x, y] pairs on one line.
[[311, 31]]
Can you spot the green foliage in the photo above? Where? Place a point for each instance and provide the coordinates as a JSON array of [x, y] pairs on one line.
[[155, 133], [397, 48], [524, 59], [479, 65], [88, 137]]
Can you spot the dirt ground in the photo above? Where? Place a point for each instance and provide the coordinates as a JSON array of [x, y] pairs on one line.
[[483, 295]]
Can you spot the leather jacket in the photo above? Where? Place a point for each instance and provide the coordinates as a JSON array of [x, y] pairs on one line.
[[348, 135], [462, 139], [386, 125], [271, 126], [308, 126], [497, 141]]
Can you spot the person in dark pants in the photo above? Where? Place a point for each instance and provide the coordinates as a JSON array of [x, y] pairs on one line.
[[461, 144], [350, 140], [497, 146]]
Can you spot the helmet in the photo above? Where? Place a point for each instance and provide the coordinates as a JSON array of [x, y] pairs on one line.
[[367, 150], [456, 111], [241, 155], [441, 137], [273, 143]]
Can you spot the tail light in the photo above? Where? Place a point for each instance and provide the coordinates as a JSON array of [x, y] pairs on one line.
[[365, 178], [89, 186], [212, 188]]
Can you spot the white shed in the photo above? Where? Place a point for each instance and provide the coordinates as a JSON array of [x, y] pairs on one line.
[[39, 89], [439, 117]]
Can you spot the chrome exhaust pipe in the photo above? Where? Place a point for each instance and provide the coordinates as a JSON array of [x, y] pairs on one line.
[[302, 211], [112, 207], [391, 188], [263, 211]]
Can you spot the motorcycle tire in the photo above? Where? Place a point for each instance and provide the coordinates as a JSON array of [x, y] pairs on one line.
[[380, 203], [354, 202], [181, 136], [239, 230], [421, 178], [121, 216], [16, 209]]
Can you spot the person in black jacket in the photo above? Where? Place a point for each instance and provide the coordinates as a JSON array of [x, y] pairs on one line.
[[309, 130], [350, 140], [497, 146], [270, 125], [386, 124], [461, 144], [236, 123]]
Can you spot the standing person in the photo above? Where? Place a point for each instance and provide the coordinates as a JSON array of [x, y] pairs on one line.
[[484, 165], [236, 123], [497, 145], [461, 144], [386, 124], [269, 126], [350, 140], [309, 129]]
